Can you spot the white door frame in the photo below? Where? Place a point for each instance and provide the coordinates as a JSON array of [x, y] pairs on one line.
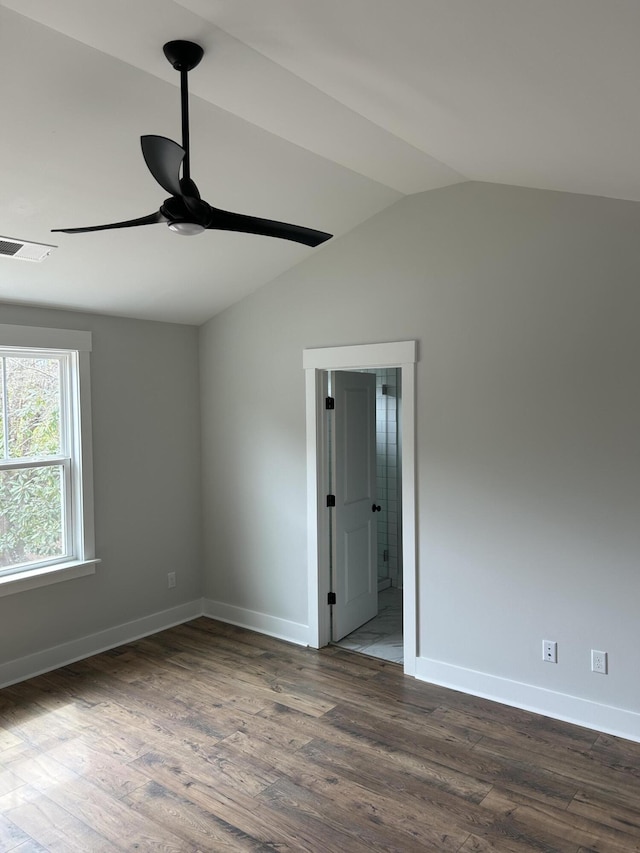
[[401, 354]]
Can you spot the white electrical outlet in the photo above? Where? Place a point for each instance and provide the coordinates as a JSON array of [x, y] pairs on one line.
[[599, 662], [171, 580], [550, 651]]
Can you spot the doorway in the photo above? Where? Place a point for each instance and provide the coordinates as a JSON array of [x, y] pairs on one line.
[[381, 635], [400, 355]]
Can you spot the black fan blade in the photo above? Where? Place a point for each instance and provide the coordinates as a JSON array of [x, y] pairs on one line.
[[163, 158], [152, 219], [224, 220]]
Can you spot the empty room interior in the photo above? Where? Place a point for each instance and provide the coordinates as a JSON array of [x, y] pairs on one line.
[[320, 529]]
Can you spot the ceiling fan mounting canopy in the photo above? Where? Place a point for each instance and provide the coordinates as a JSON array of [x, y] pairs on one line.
[[183, 55], [185, 212]]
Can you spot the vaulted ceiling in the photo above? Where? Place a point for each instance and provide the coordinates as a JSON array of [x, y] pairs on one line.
[[319, 113]]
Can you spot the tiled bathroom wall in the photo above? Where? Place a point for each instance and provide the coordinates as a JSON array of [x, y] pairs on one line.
[[388, 477]]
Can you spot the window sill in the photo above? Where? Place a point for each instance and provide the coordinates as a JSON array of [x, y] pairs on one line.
[[30, 579]]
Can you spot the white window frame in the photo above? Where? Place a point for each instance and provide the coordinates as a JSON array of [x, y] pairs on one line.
[[76, 457]]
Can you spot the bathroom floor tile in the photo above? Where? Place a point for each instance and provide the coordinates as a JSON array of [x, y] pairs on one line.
[[381, 637]]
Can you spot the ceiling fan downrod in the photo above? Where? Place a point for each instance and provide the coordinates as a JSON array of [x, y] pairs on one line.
[[183, 56]]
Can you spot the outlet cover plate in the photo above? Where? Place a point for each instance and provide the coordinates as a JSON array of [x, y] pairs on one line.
[[599, 662], [550, 651]]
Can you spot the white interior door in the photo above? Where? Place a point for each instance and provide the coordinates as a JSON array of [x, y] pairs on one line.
[[355, 576]]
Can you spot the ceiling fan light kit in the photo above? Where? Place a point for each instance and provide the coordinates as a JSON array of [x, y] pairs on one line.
[[185, 212], [186, 229]]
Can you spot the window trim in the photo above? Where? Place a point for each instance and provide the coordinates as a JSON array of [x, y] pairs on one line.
[[79, 343]]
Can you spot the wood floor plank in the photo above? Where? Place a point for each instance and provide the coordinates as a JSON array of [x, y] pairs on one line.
[[607, 812], [308, 768], [8, 779], [28, 724], [222, 770], [331, 728], [574, 770], [207, 737], [122, 744], [182, 817], [198, 688], [502, 841], [280, 828], [405, 760], [262, 683], [559, 826], [112, 775], [235, 805], [47, 824], [348, 780], [360, 821], [519, 727], [398, 814], [109, 817], [7, 739], [156, 729], [42, 771], [618, 754], [387, 781], [455, 761], [11, 836]]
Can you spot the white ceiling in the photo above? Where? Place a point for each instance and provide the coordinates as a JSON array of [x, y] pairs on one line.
[[319, 113]]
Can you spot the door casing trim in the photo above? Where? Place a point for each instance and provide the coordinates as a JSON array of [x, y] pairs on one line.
[[316, 363]]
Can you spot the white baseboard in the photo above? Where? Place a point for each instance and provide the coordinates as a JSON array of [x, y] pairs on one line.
[[282, 629], [46, 660], [66, 653], [559, 706]]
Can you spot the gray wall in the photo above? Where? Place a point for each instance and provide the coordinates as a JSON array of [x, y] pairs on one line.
[[526, 305], [146, 442]]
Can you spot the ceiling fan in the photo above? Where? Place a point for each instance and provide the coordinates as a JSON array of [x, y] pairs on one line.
[[185, 212]]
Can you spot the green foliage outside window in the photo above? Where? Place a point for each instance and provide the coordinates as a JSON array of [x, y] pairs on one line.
[[31, 502]]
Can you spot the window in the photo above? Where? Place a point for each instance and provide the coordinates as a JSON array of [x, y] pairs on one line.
[[46, 517]]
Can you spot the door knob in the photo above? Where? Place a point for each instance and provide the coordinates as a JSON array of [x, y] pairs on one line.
[[375, 508]]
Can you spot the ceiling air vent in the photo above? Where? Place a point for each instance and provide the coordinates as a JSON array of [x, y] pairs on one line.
[[23, 250]]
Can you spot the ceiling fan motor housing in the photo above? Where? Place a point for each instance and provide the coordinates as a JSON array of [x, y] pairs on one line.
[[196, 211]]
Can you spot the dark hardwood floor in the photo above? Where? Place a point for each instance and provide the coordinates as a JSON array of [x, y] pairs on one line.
[[207, 737]]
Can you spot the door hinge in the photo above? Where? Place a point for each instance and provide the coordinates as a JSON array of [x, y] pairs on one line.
[[331, 598], [331, 500], [329, 403]]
